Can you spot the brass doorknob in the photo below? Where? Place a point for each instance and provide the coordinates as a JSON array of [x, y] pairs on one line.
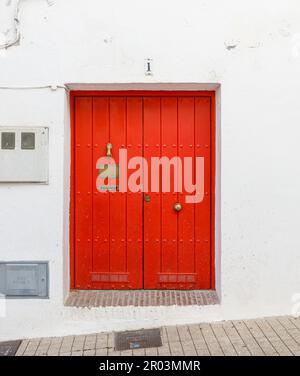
[[177, 206]]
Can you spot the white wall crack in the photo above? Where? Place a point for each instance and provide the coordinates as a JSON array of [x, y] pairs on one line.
[[16, 33]]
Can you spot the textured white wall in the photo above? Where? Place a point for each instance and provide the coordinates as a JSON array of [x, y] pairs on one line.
[[251, 50]]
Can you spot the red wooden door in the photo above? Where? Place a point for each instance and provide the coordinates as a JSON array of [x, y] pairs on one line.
[[177, 244], [134, 240], [108, 231]]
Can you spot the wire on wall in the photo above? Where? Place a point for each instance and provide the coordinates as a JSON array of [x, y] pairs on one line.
[[17, 35], [51, 87], [16, 38]]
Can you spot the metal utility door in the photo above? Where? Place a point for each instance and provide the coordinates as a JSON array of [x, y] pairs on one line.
[[136, 240]]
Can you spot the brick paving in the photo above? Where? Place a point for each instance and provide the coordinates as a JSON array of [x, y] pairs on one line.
[[140, 298], [270, 336]]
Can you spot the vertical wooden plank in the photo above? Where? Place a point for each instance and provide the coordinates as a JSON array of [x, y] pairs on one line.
[[134, 211], [169, 216], [202, 213], [100, 199], [118, 226], [83, 191], [186, 127], [152, 209]]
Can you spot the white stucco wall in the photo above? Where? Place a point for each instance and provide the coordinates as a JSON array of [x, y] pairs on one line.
[[250, 51]]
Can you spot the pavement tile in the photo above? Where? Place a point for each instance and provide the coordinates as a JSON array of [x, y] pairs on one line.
[[270, 336]]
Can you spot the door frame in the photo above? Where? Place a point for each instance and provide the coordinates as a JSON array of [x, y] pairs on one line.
[[137, 93]]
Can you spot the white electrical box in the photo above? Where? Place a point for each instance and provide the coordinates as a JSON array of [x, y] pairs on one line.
[[23, 154]]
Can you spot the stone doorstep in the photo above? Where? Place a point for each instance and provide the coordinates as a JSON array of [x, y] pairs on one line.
[[140, 298]]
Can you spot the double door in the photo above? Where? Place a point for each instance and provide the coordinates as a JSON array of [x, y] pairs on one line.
[[147, 238]]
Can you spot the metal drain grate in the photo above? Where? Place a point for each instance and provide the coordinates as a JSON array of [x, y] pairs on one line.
[[137, 339], [9, 348]]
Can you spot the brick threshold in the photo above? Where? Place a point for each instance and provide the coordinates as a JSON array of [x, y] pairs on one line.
[[140, 298]]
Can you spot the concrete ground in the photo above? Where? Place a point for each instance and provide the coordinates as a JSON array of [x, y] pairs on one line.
[[269, 336]]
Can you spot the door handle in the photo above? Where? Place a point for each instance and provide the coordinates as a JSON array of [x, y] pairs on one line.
[[177, 207]]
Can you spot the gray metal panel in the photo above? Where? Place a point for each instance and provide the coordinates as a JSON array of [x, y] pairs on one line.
[[24, 279], [28, 162], [9, 348], [137, 339]]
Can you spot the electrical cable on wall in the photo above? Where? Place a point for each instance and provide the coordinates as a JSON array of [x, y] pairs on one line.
[[17, 35], [51, 87], [13, 42]]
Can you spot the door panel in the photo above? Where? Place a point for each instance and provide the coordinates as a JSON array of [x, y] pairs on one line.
[[186, 218], [109, 254], [152, 209], [83, 188], [117, 216], [176, 256], [101, 206], [203, 210], [168, 216], [122, 239], [134, 208]]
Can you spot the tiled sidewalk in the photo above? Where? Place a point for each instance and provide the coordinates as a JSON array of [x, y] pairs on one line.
[[269, 336]]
